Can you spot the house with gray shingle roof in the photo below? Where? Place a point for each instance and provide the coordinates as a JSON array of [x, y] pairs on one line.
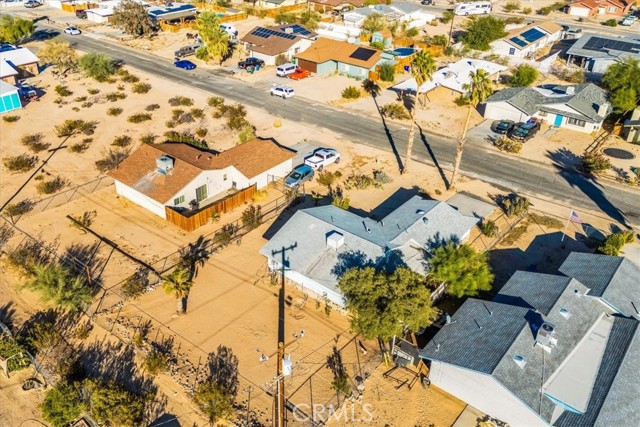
[[326, 241], [548, 350], [596, 52], [581, 107]]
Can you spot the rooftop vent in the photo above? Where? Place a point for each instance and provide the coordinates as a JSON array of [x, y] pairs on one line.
[[335, 240], [288, 30], [425, 220], [519, 361], [420, 212], [565, 313], [545, 334], [164, 165], [570, 90]]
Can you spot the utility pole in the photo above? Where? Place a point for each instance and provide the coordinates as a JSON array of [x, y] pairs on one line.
[[280, 416], [453, 18]]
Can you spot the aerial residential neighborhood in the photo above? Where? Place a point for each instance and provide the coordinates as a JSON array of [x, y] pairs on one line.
[[307, 213]]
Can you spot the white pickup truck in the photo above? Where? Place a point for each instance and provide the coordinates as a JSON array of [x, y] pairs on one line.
[[321, 158]]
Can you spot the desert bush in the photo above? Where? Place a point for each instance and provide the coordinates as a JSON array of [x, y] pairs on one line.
[[62, 90], [52, 186], [351, 92], [76, 109], [341, 202], [19, 209], [396, 111], [82, 331], [82, 146], [127, 77], [236, 116], [114, 96], [515, 205], [11, 119], [224, 236], [141, 88], [111, 160], [201, 132], [197, 113], [185, 118], [21, 163], [512, 6], [72, 127], [527, 11], [508, 145], [281, 59], [548, 9], [523, 75], [86, 104], [181, 101], [139, 118], [122, 141], [546, 221], [151, 107], [34, 142], [447, 16], [170, 124], [246, 134], [387, 72], [611, 22], [215, 101], [176, 113], [93, 91], [613, 243], [358, 182], [114, 111], [260, 195], [136, 284], [148, 138], [10, 348], [83, 221], [80, 99], [488, 228], [513, 20], [411, 32], [156, 362], [185, 138], [594, 163], [381, 177], [252, 217], [97, 65]]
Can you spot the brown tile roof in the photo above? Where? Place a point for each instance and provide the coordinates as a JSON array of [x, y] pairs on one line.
[[324, 50], [272, 45], [593, 4], [334, 3], [138, 171]]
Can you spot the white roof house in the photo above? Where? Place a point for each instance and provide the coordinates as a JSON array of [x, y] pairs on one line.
[[526, 41], [454, 76], [106, 9], [398, 11], [16, 58]]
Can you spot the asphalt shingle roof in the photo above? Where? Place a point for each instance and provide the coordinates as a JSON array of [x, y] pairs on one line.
[[533, 290]]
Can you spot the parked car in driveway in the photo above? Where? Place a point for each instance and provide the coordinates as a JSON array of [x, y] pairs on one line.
[[72, 31], [31, 4], [299, 74], [251, 62], [525, 131], [321, 158], [504, 127], [282, 91], [185, 64], [27, 92], [299, 175], [628, 21]]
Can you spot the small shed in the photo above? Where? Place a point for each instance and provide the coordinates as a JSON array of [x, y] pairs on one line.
[[631, 127], [9, 98]]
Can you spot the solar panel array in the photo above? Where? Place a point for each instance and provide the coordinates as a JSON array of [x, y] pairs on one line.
[[532, 35], [266, 33], [518, 41], [362, 54], [297, 29], [598, 44]]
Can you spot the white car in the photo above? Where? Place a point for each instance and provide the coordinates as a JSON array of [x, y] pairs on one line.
[[72, 31], [321, 158], [282, 91], [628, 21]]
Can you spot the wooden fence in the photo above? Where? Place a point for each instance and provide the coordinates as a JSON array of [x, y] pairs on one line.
[[73, 7], [272, 13], [191, 221]]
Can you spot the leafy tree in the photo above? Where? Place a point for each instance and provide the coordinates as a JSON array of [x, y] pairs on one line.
[[523, 75], [179, 284], [422, 68], [14, 30], [62, 404], [372, 23], [57, 284], [383, 304], [112, 405], [60, 54], [594, 163], [97, 65], [482, 31], [613, 243], [310, 19], [387, 72], [215, 39], [133, 19], [479, 89], [465, 271], [214, 401], [623, 80]]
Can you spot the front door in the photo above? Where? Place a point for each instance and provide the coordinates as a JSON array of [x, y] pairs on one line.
[[201, 193], [558, 121]]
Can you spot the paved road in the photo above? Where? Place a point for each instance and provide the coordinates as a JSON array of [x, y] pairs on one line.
[[509, 173]]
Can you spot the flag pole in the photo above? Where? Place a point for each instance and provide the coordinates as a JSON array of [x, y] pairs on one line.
[[564, 233]]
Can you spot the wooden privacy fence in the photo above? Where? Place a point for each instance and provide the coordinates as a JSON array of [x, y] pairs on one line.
[[272, 13], [190, 221], [73, 7], [174, 28]]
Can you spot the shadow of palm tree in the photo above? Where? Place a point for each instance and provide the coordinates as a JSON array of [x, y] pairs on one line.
[[374, 91], [565, 162], [433, 157], [195, 255]]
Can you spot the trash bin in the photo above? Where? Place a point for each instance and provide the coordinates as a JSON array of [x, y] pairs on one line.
[[257, 68]]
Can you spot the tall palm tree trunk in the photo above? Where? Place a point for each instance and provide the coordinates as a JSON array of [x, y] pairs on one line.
[[412, 131], [180, 305], [460, 148]]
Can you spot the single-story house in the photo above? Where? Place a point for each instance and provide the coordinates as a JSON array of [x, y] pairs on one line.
[[105, 10], [526, 41], [272, 4], [383, 36], [329, 5], [9, 98], [17, 63], [595, 52], [181, 176], [631, 127], [454, 77], [548, 350], [328, 240], [595, 8], [267, 43], [326, 56], [580, 107], [410, 13], [172, 12]]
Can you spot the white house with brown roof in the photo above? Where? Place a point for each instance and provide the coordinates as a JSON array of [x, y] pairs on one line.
[[327, 56], [267, 43], [595, 8], [182, 176], [525, 42]]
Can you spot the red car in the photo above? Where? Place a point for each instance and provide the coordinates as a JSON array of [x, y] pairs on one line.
[[299, 74]]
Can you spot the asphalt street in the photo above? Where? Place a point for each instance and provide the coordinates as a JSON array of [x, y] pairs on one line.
[[574, 190]]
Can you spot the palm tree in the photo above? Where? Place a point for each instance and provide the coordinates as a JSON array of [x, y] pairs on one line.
[[422, 68], [194, 255], [56, 283], [179, 284], [479, 89], [214, 37], [373, 89]]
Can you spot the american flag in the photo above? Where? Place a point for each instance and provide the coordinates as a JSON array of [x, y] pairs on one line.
[[574, 217]]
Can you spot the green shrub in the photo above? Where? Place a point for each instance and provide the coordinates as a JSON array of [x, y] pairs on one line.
[[176, 113], [184, 138], [63, 90], [180, 101], [114, 111], [613, 243], [514, 204], [148, 138], [111, 160], [508, 145], [139, 118], [19, 209], [523, 75], [136, 284], [122, 141], [10, 348], [197, 113], [201, 132], [224, 236], [156, 362], [512, 6], [488, 228], [215, 101], [21, 163], [594, 163], [252, 217], [527, 11], [114, 96], [611, 22], [462, 101], [72, 127], [80, 99], [411, 32], [341, 202], [377, 45], [387, 72], [447, 16], [395, 110], [358, 182], [97, 65], [93, 91], [246, 134], [141, 88], [34, 142], [548, 9], [81, 147], [351, 92], [381, 177], [11, 119], [52, 186], [236, 116], [513, 20], [151, 107]]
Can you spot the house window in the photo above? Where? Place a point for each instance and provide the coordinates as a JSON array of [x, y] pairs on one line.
[[363, 72], [201, 193], [345, 67], [612, 9], [512, 51], [576, 122], [542, 113], [224, 177], [178, 200]]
